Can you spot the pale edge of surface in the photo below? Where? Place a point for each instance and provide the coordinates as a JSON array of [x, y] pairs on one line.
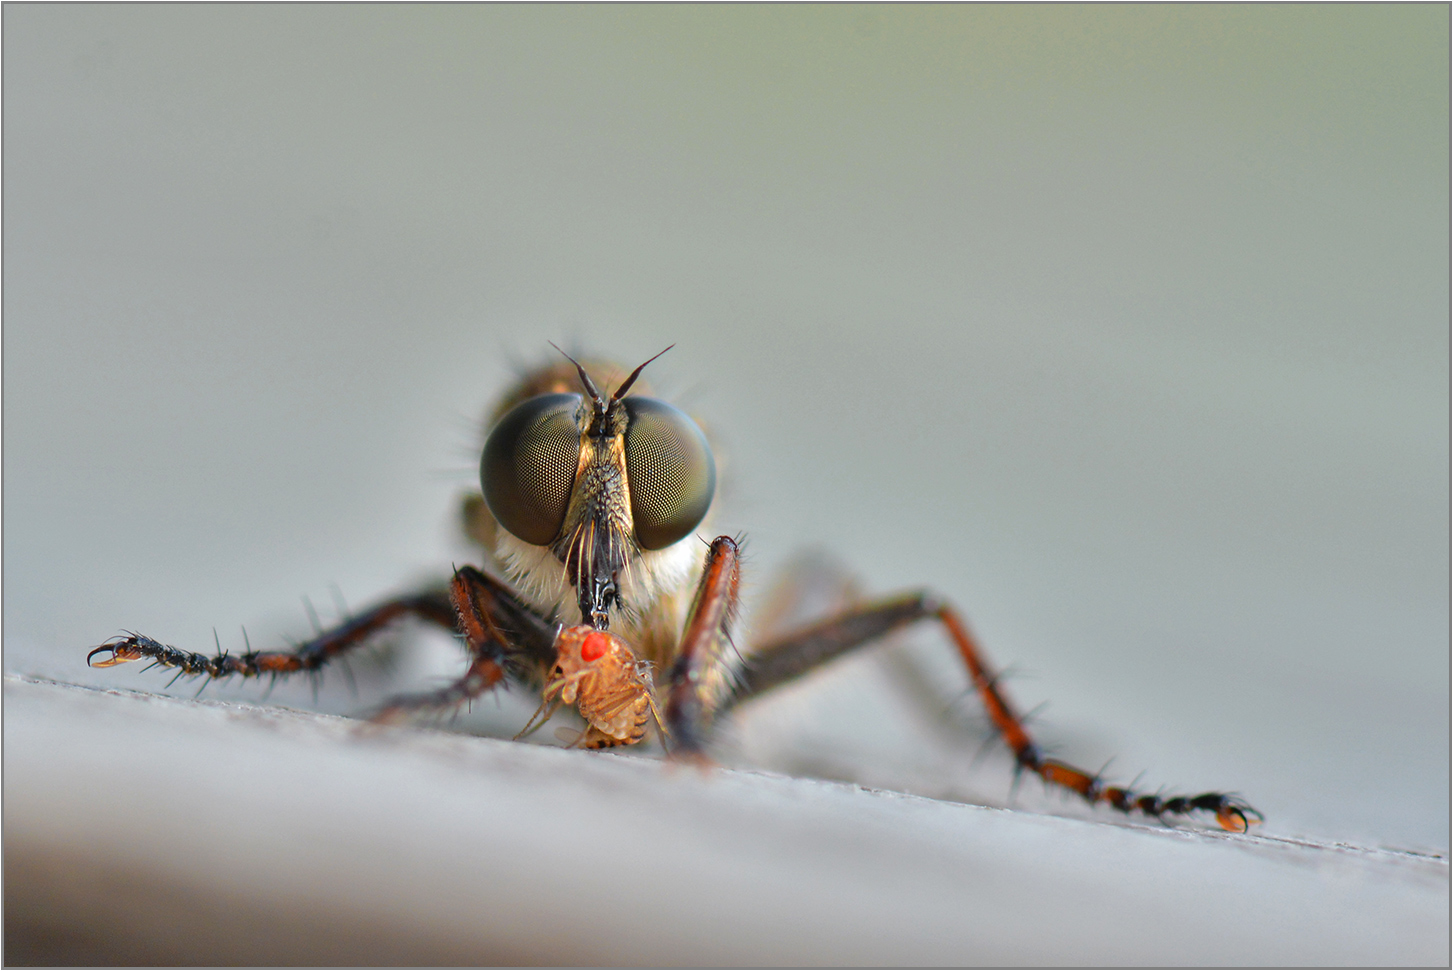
[[146, 829]]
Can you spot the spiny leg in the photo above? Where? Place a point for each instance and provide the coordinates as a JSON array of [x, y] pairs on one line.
[[794, 655], [699, 677], [311, 656], [504, 638]]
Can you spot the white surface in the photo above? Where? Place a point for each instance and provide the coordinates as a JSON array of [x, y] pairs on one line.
[[141, 828], [1123, 327]]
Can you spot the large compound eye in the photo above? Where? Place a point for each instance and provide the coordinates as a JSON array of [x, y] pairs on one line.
[[670, 470], [529, 464]]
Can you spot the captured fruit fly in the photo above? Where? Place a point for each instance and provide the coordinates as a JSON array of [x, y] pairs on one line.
[[609, 603]]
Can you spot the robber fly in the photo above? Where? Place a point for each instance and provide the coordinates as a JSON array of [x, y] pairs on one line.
[[612, 605]]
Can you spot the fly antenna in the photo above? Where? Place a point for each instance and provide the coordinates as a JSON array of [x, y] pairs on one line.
[[585, 378], [626, 384]]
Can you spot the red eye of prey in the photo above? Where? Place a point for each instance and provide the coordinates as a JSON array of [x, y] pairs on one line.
[[594, 647]]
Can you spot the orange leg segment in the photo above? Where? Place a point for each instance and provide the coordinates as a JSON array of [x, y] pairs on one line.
[[799, 652], [309, 656], [698, 676], [504, 637]]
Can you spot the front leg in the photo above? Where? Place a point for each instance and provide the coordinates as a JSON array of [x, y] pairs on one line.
[[504, 638], [310, 656], [795, 654], [700, 677], [503, 635]]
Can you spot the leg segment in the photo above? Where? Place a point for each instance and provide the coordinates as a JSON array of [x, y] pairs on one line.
[[699, 677], [504, 637], [496, 622], [795, 654], [309, 656]]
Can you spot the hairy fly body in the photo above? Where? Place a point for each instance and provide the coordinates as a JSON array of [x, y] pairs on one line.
[[611, 604]]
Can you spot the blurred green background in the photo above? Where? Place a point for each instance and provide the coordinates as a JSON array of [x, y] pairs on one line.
[[1125, 327]]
